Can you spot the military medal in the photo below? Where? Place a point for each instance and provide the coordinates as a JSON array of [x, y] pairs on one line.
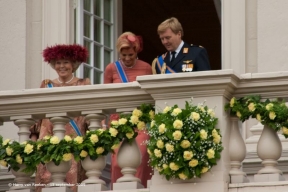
[[187, 66]]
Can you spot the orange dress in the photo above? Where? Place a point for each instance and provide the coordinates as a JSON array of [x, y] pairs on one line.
[[76, 174], [144, 171]]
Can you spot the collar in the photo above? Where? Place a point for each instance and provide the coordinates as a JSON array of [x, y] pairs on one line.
[[178, 48]]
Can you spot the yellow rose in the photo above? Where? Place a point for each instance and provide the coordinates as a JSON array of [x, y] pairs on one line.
[[160, 144], [195, 116], [129, 135], [94, 138], [19, 160], [137, 113], [67, 156], [115, 123], [169, 147], [285, 130], [152, 123], [99, 150], [149, 152], [113, 132], [165, 166], [269, 106], [211, 112], [238, 114], [24, 143], [162, 128], [214, 132], [203, 134], [185, 144], [272, 115], [193, 163], [151, 114], [232, 101], [122, 121], [47, 137], [166, 109], [251, 107], [258, 117], [39, 146], [141, 125], [159, 169], [157, 153], [9, 151], [87, 132], [78, 139], [173, 166], [54, 140], [176, 111], [5, 142], [178, 124], [3, 163], [177, 135], [83, 153], [210, 154], [188, 155], [182, 176], [115, 146], [217, 139], [134, 120], [100, 131], [67, 138], [28, 149], [204, 169], [201, 108]]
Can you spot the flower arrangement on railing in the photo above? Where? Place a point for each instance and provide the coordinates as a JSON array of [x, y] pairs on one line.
[[271, 113], [94, 144], [128, 124], [13, 154], [184, 143]]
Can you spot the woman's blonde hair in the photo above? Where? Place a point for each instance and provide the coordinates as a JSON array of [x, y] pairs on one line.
[[171, 23], [129, 40]]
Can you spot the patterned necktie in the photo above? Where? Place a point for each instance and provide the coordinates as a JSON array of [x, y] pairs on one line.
[[173, 56]]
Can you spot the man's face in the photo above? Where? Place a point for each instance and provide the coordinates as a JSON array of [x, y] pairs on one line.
[[170, 40]]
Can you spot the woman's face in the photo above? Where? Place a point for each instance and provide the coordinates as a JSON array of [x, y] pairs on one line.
[[64, 68], [128, 56]]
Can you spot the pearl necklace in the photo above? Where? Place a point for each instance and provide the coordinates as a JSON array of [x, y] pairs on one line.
[[129, 66], [66, 81]]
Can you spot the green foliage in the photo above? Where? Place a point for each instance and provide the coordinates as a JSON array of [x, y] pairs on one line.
[[272, 113], [184, 143], [13, 154]]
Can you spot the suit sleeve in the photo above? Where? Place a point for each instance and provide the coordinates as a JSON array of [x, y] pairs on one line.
[[202, 61]]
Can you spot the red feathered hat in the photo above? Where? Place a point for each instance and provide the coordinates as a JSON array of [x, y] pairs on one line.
[[76, 53]]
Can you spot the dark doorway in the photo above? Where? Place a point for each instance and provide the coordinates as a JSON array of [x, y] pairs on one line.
[[198, 18]]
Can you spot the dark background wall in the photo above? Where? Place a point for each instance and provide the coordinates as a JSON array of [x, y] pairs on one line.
[[198, 18]]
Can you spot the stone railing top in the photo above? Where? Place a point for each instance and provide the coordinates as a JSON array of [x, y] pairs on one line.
[[36, 103]]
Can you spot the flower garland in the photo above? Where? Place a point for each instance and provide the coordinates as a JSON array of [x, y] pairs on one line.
[[272, 113], [184, 143], [14, 154]]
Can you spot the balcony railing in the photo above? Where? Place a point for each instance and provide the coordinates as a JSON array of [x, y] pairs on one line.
[[24, 107]]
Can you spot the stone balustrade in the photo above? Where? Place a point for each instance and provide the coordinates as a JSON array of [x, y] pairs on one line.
[[24, 107]]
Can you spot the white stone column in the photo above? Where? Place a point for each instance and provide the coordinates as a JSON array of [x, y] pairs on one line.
[[237, 151], [59, 126]]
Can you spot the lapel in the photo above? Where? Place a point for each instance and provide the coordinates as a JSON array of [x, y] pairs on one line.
[[179, 57]]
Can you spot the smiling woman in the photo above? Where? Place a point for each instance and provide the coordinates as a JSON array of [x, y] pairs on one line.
[[65, 60]]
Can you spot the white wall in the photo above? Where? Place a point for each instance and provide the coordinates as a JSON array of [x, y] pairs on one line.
[[272, 35]]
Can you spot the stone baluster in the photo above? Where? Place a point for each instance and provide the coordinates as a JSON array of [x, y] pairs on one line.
[[58, 173], [127, 164], [237, 151], [22, 180], [93, 168], [269, 150]]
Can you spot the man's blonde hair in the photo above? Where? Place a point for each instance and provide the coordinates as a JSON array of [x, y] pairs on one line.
[[171, 23]]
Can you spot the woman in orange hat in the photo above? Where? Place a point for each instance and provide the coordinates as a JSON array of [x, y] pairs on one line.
[[126, 69], [65, 60]]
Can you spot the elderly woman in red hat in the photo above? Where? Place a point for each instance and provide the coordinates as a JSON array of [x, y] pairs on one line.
[[126, 69], [64, 59]]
